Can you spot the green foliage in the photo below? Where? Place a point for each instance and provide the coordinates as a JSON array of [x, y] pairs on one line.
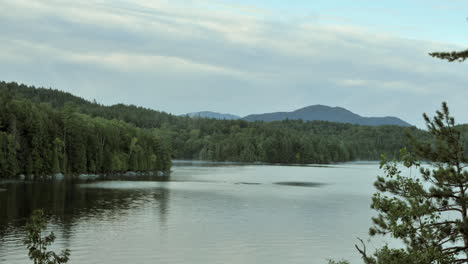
[[37, 244], [289, 141], [36, 139], [428, 213], [451, 56], [8, 150]]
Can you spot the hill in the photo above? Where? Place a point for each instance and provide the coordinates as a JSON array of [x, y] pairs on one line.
[[38, 140], [327, 113], [288, 141]]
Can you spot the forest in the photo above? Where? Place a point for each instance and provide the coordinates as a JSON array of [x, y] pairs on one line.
[[37, 139], [45, 131]]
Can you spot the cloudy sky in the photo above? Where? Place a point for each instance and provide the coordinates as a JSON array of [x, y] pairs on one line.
[[242, 56]]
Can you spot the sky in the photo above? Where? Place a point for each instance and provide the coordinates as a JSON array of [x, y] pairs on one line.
[[242, 56]]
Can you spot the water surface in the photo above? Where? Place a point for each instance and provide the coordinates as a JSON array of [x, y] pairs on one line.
[[206, 213]]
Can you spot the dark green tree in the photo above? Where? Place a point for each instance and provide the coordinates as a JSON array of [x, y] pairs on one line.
[[427, 212], [37, 244]]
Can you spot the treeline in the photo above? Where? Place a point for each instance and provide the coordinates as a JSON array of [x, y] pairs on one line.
[[292, 141], [139, 116], [37, 139], [237, 140]]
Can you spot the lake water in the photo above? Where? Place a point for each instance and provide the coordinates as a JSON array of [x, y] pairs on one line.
[[206, 213]]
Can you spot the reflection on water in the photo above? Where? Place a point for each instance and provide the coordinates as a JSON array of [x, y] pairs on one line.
[[301, 184], [248, 183], [69, 202], [206, 213]]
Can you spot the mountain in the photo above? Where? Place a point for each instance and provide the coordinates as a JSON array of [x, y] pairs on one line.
[[327, 113], [213, 115]]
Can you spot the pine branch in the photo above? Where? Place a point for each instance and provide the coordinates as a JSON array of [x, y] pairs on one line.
[[446, 209], [363, 252], [451, 56], [455, 249]]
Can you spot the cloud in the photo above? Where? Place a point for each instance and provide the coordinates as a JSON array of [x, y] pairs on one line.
[[208, 55], [391, 86]]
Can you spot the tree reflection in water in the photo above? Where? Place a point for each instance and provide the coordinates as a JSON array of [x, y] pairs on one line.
[[68, 203]]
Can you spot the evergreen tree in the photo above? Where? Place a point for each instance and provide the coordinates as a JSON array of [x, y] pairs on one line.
[[428, 212], [36, 139]]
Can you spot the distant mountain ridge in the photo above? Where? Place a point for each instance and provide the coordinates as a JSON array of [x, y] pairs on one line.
[[213, 115], [310, 113], [327, 113]]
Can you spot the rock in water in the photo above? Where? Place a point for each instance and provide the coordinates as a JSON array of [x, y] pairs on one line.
[[59, 176]]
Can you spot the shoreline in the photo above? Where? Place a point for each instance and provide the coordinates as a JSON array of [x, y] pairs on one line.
[[88, 177], [239, 163]]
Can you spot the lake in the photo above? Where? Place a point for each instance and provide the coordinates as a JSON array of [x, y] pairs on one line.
[[205, 213]]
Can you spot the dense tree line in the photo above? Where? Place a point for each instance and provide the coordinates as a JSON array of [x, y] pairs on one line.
[[37, 139], [139, 116], [290, 141]]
